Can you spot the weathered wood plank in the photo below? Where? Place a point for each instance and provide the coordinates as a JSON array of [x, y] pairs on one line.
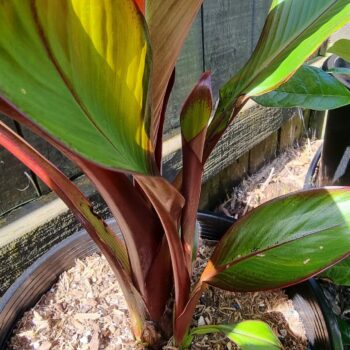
[[20, 253], [263, 152], [250, 128], [227, 37], [16, 185], [317, 124], [260, 11], [188, 69], [216, 188], [291, 132], [52, 154]]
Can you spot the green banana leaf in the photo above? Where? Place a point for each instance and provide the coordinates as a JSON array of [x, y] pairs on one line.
[[283, 242], [311, 88], [248, 335], [80, 70]]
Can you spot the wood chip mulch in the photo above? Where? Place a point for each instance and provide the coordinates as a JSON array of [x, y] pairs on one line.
[[283, 175]]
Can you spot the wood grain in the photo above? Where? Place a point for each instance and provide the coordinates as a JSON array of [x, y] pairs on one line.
[[227, 37], [188, 70], [16, 186]]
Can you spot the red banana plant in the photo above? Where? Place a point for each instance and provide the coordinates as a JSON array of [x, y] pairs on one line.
[[93, 78]]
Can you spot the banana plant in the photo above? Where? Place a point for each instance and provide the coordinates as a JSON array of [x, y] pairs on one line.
[[93, 78]]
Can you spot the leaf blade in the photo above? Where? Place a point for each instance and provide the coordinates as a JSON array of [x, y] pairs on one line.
[[308, 231], [169, 23], [65, 77], [311, 88], [249, 335], [307, 25]]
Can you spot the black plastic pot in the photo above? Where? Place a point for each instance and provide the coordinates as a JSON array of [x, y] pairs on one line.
[[36, 280], [334, 166]]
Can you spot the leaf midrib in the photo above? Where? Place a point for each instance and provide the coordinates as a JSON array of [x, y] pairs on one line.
[[300, 236], [307, 94]]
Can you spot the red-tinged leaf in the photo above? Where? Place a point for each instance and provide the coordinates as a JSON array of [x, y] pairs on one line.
[[196, 111], [67, 191], [194, 120], [106, 240], [159, 145], [283, 242], [168, 203], [141, 229], [183, 321], [141, 5], [80, 70], [169, 23]]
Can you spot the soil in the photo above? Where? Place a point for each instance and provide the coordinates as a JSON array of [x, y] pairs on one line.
[[85, 310]]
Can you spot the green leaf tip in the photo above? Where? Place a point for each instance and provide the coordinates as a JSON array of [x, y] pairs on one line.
[[197, 109], [248, 335]]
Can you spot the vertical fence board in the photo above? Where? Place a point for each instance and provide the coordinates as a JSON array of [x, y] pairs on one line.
[[227, 37], [15, 186], [260, 11], [188, 69]]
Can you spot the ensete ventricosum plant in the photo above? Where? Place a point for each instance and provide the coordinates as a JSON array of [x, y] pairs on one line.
[[93, 78]]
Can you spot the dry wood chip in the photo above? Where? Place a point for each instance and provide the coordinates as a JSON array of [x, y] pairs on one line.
[[95, 341], [45, 346], [87, 316]]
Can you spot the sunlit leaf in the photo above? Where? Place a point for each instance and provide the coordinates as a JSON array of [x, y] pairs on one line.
[[283, 242], [248, 335], [311, 88], [80, 70], [341, 48], [292, 32], [197, 109]]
